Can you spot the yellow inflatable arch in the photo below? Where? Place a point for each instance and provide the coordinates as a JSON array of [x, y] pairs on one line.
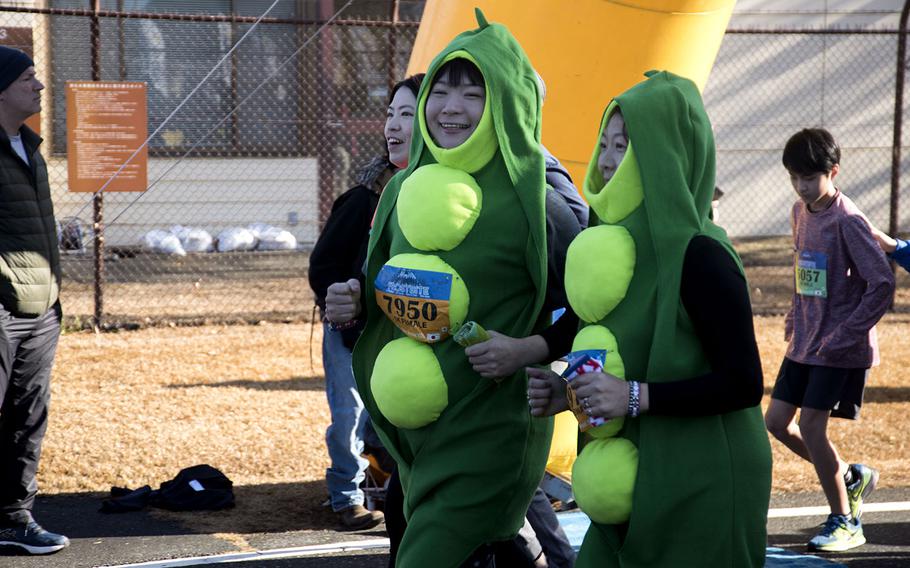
[[587, 51]]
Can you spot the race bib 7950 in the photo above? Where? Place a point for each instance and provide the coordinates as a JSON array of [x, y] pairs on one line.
[[416, 301], [812, 274]]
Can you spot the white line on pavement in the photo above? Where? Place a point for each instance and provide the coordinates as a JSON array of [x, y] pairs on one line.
[[812, 511], [299, 551]]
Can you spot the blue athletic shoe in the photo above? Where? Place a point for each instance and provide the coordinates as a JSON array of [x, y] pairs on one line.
[[32, 539], [864, 480], [838, 534]]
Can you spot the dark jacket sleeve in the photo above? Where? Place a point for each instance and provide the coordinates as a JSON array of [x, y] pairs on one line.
[[341, 248], [562, 228], [559, 179], [716, 297]]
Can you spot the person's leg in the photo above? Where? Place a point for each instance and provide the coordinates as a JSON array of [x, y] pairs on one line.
[[343, 436], [10, 478], [780, 419], [26, 362], [826, 388], [483, 557], [523, 551], [787, 395], [861, 479], [552, 537], [829, 467], [395, 524], [29, 345]]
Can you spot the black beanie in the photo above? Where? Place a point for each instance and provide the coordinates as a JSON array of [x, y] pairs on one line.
[[12, 63]]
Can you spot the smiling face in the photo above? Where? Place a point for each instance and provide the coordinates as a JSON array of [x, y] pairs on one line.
[[23, 96], [399, 122], [613, 144], [815, 189], [454, 110]]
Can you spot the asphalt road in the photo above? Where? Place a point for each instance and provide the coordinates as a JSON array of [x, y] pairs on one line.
[[114, 540]]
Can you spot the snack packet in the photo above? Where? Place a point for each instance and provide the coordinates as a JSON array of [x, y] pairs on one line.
[[580, 363]]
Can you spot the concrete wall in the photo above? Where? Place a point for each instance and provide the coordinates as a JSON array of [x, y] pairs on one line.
[[210, 193]]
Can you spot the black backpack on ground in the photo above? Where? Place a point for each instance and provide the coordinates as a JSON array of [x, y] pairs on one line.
[[198, 488]]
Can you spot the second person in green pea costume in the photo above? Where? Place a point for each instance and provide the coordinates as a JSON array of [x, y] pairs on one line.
[[680, 475]]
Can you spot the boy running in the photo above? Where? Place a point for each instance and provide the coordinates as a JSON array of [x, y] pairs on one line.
[[843, 286]]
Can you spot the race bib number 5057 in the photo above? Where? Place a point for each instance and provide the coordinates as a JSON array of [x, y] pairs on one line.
[[812, 274], [417, 301]]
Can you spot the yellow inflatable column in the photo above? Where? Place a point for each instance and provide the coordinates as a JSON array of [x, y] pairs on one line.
[[587, 51]]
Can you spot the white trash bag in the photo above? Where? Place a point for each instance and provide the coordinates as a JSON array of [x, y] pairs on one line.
[[273, 238], [194, 239], [236, 239], [161, 241]]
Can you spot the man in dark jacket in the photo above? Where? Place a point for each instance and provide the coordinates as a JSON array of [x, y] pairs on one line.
[[29, 307]]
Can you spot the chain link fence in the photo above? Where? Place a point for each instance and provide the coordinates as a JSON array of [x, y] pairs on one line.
[[280, 126], [266, 143], [765, 86]]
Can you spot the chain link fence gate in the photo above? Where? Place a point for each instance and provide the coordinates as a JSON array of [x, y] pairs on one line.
[[275, 134]]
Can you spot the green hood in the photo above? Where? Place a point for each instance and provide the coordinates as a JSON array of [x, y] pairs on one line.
[[674, 147], [514, 102]]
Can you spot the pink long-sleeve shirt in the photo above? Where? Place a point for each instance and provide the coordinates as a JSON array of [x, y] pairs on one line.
[[843, 286]]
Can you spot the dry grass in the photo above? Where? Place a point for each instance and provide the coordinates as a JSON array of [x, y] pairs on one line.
[[132, 408]]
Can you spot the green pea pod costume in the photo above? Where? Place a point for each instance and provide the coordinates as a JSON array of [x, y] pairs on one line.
[[469, 453], [701, 490]]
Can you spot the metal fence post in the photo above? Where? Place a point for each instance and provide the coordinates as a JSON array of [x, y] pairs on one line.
[[393, 44], [898, 119], [98, 201]]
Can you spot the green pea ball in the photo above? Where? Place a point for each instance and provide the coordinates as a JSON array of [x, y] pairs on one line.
[[437, 207], [599, 267], [408, 385], [603, 479]]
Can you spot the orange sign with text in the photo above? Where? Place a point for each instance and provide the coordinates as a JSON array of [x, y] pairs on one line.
[[106, 123]]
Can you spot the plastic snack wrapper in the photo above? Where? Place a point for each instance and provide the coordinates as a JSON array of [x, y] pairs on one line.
[[580, 363]]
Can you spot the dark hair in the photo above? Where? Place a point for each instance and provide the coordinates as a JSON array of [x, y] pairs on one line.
[[811, 151], [371, 172], [412, 83], [459, 68]]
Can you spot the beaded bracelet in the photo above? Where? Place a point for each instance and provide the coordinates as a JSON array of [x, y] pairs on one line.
[[634, 399], [342, 326]]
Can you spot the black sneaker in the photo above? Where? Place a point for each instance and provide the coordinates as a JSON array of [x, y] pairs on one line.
[[32, 539]]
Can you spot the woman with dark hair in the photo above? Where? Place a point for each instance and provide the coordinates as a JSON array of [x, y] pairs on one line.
[[338, 256]]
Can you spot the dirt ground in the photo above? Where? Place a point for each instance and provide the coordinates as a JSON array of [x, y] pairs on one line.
[[135, 407]]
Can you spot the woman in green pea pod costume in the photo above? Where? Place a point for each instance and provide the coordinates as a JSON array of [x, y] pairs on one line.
[[686, 481], [459, 235]]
